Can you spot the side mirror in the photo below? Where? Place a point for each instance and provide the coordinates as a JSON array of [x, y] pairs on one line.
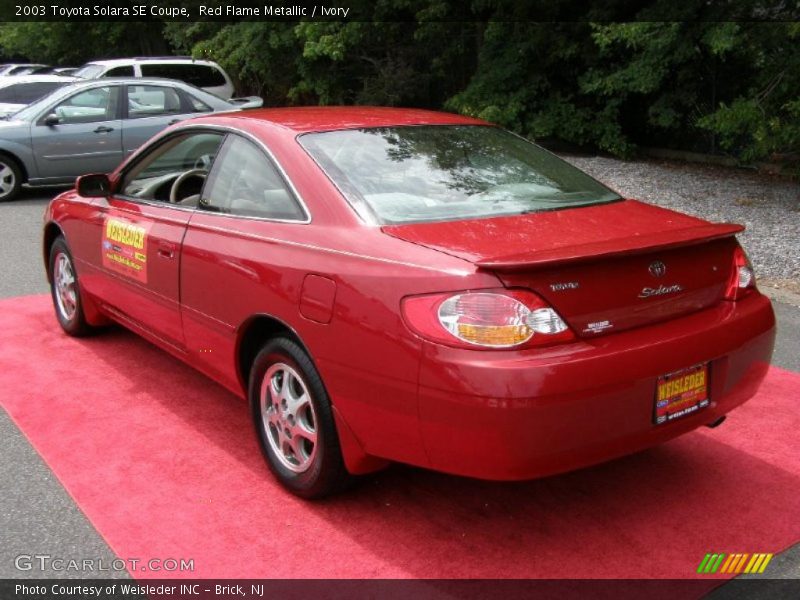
[[93, 186], [52, 119]]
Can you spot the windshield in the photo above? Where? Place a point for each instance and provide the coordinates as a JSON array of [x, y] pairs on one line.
[[438, 173], [89, 71]]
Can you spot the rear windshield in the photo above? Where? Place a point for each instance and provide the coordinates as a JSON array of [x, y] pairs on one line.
[[25, 93], [89, 71], [448, 172]]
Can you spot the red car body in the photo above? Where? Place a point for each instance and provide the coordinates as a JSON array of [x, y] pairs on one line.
[[218, 284]]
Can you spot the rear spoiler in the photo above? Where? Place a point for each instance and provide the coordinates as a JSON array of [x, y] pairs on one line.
[[247, 102], [634, 244]]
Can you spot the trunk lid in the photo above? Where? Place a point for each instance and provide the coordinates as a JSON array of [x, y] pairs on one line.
[[604, 268]]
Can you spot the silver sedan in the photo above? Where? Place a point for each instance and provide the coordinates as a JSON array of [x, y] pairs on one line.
[[91, 126]]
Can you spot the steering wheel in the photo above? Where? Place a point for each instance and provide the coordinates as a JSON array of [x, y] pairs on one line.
[[173, 191]]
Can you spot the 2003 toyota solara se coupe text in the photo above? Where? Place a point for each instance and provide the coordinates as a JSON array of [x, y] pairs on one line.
[[403, 285]]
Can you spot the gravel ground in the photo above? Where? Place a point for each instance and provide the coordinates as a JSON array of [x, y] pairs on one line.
[[769, 206]]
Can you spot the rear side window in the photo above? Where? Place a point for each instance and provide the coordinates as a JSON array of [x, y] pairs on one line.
[[26, 93], [197, 104], [126, 71], [152, 101], [202, 76], [245, 182]]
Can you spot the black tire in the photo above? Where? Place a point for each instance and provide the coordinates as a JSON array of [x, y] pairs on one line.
[[324, 471], [72, 322], [10, 178]]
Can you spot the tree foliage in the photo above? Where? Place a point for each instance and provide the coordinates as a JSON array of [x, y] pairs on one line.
[[615, 75], [73, 43]]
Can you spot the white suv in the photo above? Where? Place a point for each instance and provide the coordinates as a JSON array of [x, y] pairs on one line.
[[205, 74]]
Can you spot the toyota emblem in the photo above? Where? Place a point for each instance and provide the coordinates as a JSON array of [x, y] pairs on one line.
[[657, 268]]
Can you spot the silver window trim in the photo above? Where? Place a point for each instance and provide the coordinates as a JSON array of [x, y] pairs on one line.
[[233, 130]]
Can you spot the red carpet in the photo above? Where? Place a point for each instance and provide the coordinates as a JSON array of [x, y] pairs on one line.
[[164, 464]]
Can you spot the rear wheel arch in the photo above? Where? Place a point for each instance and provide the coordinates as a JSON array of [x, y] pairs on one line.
[[294, 421], [258, 331], [253, 334]]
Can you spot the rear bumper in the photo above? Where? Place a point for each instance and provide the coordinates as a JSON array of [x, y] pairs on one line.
[[521, 415]]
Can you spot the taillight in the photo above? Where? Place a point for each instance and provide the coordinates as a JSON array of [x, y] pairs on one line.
[[742, 278], [486, 319]]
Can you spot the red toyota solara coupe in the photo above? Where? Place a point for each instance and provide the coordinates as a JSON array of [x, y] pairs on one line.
[[404, 285]]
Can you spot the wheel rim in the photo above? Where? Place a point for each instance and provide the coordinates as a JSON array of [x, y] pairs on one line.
[[289, 419], [64, 281], [8, 180]]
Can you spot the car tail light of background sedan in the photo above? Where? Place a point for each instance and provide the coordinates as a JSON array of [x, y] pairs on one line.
[[486, 319]]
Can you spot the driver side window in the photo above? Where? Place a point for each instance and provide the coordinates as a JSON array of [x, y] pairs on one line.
[[174, 171], [89, 106]]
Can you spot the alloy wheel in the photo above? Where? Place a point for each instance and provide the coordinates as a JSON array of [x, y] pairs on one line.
[[64, 281], [289, 419], [8, 180]]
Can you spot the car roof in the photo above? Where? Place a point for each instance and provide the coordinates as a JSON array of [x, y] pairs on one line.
[[76, 82], [331, 118], [13, 79], [112, 62]]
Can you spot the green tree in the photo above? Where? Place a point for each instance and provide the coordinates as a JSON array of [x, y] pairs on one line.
[[762, 120], [55, 42], [614, 75]]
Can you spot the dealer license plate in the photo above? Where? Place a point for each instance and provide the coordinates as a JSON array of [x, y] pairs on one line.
[[681, 393]]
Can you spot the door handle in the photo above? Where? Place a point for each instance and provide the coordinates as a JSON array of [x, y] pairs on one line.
[[103, 129], [166, 250]]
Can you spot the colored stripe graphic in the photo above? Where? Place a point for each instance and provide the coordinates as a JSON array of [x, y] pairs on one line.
[[735, 564], [738, 564], [703, 563], [717, 562], [710, 563], [728, 563], [765, 563], [754, 563]]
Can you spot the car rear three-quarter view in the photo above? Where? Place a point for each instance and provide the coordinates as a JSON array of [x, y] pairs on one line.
[[403, 285]]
